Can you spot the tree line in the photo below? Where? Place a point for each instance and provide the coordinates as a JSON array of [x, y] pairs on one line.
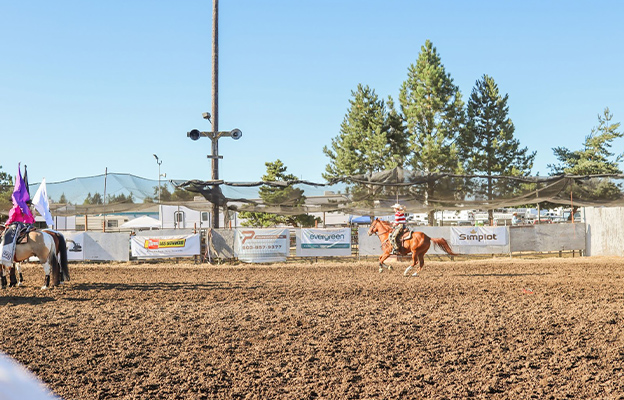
[[430, 130], [433, 131]]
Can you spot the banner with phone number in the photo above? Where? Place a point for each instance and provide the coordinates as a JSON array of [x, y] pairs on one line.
[[165, 246], [262, 245]]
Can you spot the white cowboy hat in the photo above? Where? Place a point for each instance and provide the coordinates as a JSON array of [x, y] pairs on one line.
[[397, 205]]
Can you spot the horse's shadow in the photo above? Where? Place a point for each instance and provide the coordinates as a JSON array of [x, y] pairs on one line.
[[20, 300], [159, 286]]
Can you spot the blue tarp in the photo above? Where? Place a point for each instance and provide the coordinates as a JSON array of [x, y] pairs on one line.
[[361, 220]]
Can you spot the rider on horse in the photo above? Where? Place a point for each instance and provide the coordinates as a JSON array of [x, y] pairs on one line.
[[399, 227], [20, 217]]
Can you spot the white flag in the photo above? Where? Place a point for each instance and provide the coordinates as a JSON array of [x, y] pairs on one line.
[[40, 200]]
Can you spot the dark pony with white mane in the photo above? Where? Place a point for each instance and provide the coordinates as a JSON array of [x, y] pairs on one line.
[[416, 243], [50, 248]]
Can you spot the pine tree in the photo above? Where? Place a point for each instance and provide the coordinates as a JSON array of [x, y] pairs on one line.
[[487, 144], [595, 158], [287, 196], [120, 198], [95, 199], [432, 108], [371, 137], [6, 190]]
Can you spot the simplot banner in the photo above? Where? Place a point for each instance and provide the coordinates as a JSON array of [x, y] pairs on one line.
[[324, 242], [479, 236], [165, 246], [262, 245]]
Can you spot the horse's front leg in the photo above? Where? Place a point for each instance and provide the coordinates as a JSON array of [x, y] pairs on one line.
[[384, 257], [3, 279]]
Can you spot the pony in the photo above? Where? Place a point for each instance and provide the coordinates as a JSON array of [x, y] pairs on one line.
[[50, 248], [416, 243]]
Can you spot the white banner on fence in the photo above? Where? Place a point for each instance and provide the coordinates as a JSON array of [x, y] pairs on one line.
[[75, 245], [165, 246], [324, 242], [262, 245], [479, 236]]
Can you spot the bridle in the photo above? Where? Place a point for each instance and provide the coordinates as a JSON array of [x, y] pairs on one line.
[[370, 230], [375, 222]]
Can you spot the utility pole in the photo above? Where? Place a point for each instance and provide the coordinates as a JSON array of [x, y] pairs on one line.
[[215, 105], [215, 134]]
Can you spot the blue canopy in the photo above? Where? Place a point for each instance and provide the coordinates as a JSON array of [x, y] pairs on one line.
[[361, 220]]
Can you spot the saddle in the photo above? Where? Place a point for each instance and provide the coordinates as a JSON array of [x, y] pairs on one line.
[[22, 237], [405, 235]]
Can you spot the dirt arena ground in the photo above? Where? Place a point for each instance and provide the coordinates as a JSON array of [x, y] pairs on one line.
[[496, 329]]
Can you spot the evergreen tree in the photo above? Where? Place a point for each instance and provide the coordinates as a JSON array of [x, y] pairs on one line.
[[6, 190], [164, 195], [95, 199], [182, 195], [278, 196], [371, 137], [595, 158], [487, 144], [432, 108], [63, 199], [120, 198]]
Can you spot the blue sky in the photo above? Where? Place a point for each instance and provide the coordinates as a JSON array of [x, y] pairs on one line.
[[86, 86]]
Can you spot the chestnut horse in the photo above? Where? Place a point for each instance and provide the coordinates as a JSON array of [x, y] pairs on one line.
[[416, 243], [50, 248]]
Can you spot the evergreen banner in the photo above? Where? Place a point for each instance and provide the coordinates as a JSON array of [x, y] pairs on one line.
[[323, 242]]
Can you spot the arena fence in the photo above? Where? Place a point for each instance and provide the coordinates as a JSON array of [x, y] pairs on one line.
[[602, 234]]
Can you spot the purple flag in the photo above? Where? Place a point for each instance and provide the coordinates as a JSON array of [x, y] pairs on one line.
[[20, 193]]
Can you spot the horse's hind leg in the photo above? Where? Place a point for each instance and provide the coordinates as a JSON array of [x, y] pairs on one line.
[[421, 262], [46, 278], [12, 277], [18, 269]]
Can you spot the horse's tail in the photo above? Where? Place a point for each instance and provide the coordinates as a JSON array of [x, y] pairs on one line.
[[62, 250], [443, 244], [53, 261]]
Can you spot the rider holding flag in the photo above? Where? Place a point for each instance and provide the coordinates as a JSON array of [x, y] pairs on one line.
[[19, 215]]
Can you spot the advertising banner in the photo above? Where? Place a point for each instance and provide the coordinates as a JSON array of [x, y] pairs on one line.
[[165, 246], [479, 236], [262, 245], [75, 245], [323, 242]]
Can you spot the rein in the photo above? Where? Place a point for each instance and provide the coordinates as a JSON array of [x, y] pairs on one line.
[[379, 222]]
